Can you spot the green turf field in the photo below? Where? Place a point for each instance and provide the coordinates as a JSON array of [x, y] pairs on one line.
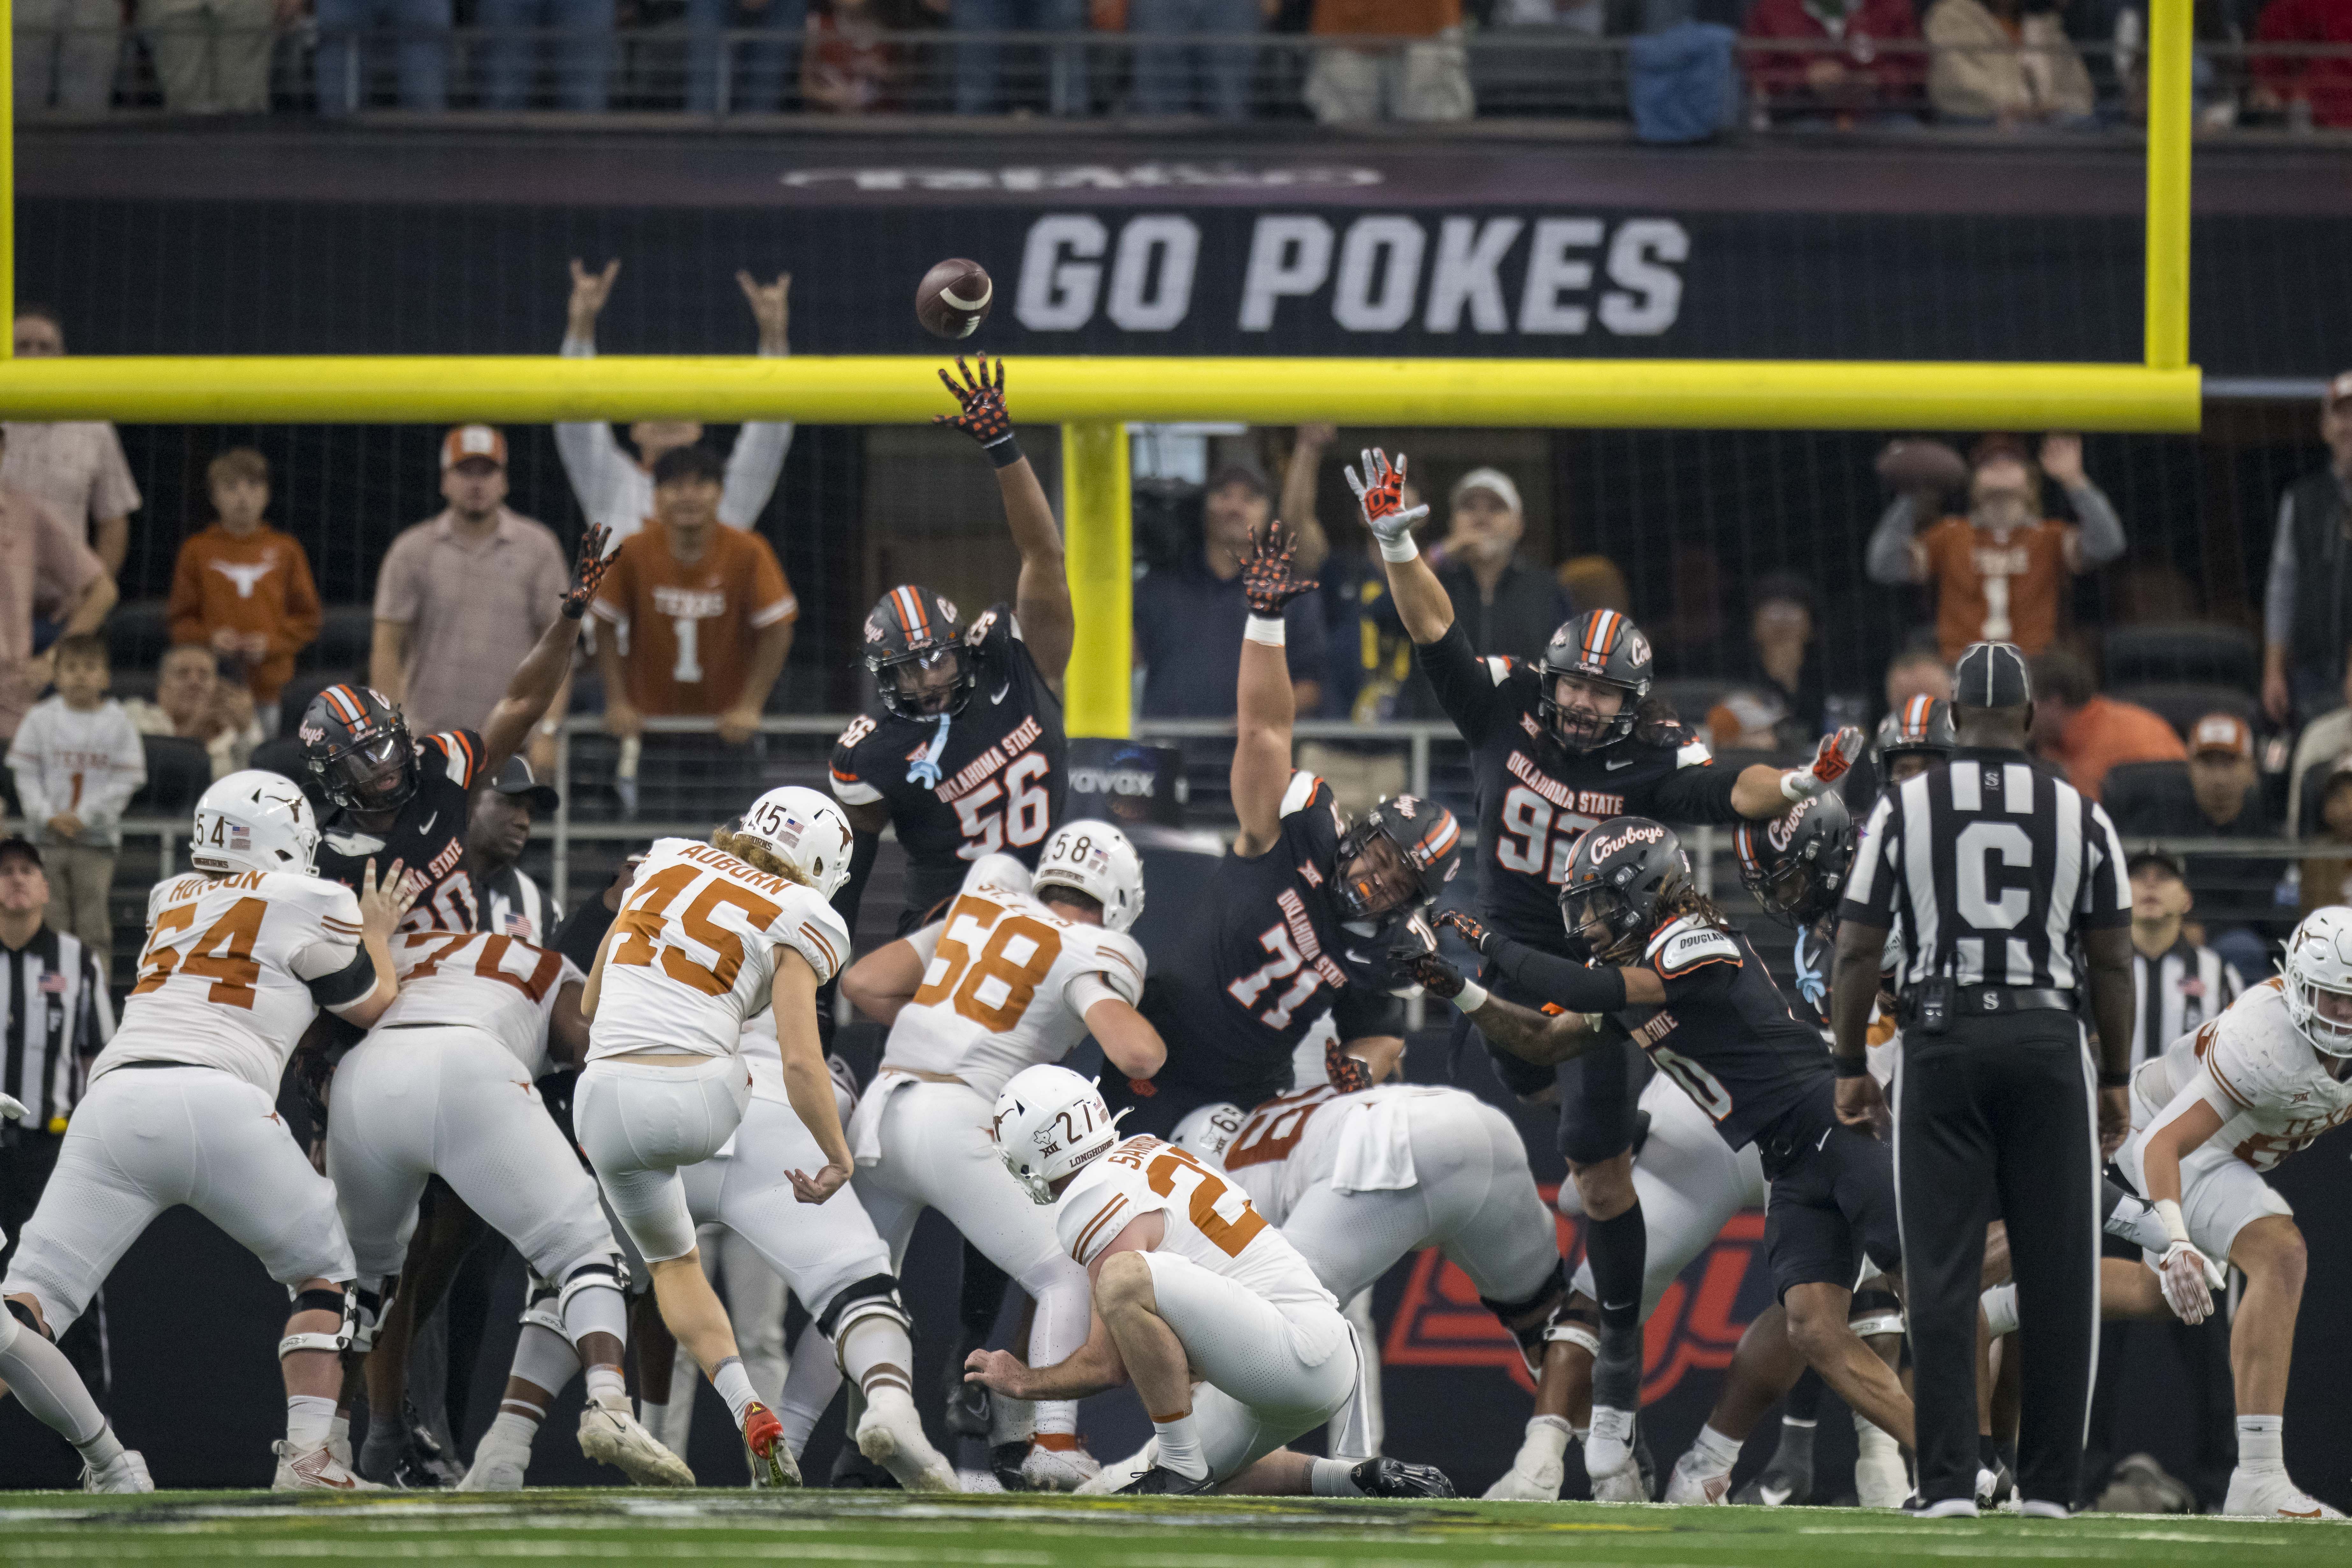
[[725, 1527]]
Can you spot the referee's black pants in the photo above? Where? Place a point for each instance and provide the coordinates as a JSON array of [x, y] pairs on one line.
[[1997, 1120]]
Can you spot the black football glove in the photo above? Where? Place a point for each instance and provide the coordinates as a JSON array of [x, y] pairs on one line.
[[1469, 927], [1428, 971], [1268, 581], [982, 414]]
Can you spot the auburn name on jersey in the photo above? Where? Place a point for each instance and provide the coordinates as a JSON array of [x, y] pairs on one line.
[[988, 780], [427, 838]]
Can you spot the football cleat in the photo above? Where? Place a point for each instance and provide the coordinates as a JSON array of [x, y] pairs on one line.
[[610, 1435], [1057, 1464], [1119, 1472], [314, 1469], [1536, 1474], [891, 1434], [1786, 1482], [1995, 1485], [1945, 1508], [773, 1464], [498, 1465], [1691, 1484], [1628, 1484], [1161, 1481], [2269, 1494], [968, 1405], [1395, 1478], [1004, 1462], [126, 1472], [1609, 1446]]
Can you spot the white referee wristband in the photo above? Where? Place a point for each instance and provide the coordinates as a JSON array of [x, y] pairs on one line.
[[1400, 548], [1267, 629], [2169, 1211], [1472, 997]]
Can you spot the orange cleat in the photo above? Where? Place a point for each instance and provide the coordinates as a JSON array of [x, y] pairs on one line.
[[773, 1464]]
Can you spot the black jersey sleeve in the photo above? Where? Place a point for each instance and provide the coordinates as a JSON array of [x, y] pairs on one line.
[[458, 753], [1697, 791], [850, 784], [1468, 688], [1562, 980], [1362, 1012]]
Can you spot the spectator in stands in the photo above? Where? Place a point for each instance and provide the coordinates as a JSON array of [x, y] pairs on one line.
[[2001, 62], [1184, 613], [2320, 83], [1779, 704], [2307, 604], [1425, 79], [578, 41], [2328, 880], [1998, 573], [756, 70], [1507, 608], [1919, 671], [194, 703], [496, 833], [2086, 733], [1841, 72], [66, 52], [980, 86], [704, 609], [2218, 73], [616, 489], [846, 68], [2179, 983], [358, 38], [462, 596], [46, 574], [1192, 78], [76, 466], [241, 587], [213, 55], [78, 761], [2218, 794]]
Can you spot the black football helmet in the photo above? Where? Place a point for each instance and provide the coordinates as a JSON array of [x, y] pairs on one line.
[[1598, 645], [1921, 726], [357, 743], [1427, 841], [1620, 874], [912, 635], [1796, 864]]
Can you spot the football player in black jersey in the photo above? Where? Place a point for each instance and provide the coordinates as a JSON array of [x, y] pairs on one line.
[[1300, 916], [1556, 747], [1795, 867], [1667, 972], [962, 751]]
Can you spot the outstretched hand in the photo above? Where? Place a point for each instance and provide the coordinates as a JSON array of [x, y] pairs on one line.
[[1470, 929], [981, 404], [1268, 581], [815, 1189], [589, 292], [1428, 969], [384, 902], [588, 569], [1380, 491], [1832, 762], [772, 306]]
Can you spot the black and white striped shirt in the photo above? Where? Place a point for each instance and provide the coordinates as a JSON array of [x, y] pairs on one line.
[[515, 905], [2175, 992], [55, 1016], [1992, 865]]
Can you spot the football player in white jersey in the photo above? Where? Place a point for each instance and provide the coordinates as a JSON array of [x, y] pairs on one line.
[[38, 1373], [707, 936], [2216, 1110], [1017, 973], [1187, 1279], [240, 956], [442, 1085]]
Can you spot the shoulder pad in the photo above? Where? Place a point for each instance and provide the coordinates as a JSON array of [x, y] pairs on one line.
[[336, 907], [1304, 787], [814, 929], [461, 755], [1689, 943]]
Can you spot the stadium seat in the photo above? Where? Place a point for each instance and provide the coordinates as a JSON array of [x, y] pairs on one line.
[[137, 634], [346, 633], [2183, 651], [178, 770], [2182, 703]]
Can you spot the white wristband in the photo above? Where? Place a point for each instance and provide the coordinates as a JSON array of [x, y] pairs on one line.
[[1798, 784], [1400, 548], [1472, 997], [2169, 1211], [1267, 629]]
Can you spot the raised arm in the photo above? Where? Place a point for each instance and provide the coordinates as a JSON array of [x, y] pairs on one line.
[[1893, 556], [761, 445], [541, 674], [1421, 602], [1298, 493], [1042, 598], [1264, 708], [590, 456]]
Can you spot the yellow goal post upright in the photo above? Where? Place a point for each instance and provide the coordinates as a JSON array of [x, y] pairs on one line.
[[1094, 397]]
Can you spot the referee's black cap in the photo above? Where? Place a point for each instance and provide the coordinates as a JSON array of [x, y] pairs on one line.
[[1992, 675]]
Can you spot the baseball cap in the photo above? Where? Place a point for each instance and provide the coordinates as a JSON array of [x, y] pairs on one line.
[[18, 844], [2337, 391], [2156, 860], [1992, 675], [1493, 480], [517, 779], [1239, 473], [466, 442], [2221, 732]]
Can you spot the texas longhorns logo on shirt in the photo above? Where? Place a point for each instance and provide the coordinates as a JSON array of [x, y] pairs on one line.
[[245, 577]]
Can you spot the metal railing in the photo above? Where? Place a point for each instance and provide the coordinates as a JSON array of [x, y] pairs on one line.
[[672, 69]]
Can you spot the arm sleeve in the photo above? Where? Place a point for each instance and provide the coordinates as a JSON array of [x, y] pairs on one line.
[[2101, 539], [589, 453], [753, 467], [2106, 900], [1465, 684], [1085, 990], [1888, 558], [2278, 592], [1695, 792], [338, 989], [1564, 981], [1877, 872]]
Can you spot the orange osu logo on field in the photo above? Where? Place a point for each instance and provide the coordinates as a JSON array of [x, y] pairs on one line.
[[1696, 1324]]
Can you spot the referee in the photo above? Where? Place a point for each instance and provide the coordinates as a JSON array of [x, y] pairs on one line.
[[1999, 872]]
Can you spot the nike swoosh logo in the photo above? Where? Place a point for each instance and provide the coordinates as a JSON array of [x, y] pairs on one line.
[[2290, 1513], [1616, 1306], [429, 822], [1775, 1496], [1826, 1141], [1621, 763], [999, 692]]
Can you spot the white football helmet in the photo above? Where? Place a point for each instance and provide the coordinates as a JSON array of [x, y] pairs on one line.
[[1208, 1133], [1094, 858], [807, 832], [2319, 958], [1049, 1122], [255, 821]]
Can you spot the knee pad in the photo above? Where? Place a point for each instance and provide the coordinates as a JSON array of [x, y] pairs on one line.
[[863, 1300], [539, 1304], [344, 1300], [610, 1272], [1530, 1319], [369, 1304], [1575, 1323], [24, 1314], [1875, 1310]]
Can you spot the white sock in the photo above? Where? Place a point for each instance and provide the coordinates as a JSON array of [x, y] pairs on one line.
[[1717, 1452], [339, 1430], [545, 1358], [45, 1381], [734, 1387], [1180, 1446], [512, 1425], [876, 1355], [309, 1418], [2261, 1442], [1332, 1478], [1547, 1443], [607, 1387], [101, 1450], [2000, 1309]]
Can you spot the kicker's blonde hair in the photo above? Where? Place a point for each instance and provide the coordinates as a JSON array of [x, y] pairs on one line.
[[753, 853]]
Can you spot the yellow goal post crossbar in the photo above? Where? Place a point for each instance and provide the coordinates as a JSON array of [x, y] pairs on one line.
[[1092, 396]]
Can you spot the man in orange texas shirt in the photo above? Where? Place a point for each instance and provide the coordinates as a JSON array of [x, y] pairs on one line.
[[2086, 733], [243, 588]]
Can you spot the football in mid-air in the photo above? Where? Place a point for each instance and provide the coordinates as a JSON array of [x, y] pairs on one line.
[[954, 298], [1908, 466]]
